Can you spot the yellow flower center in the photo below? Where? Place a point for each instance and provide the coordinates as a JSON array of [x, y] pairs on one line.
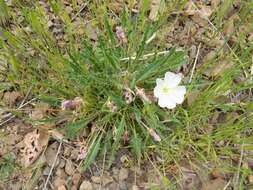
[[165, 89]]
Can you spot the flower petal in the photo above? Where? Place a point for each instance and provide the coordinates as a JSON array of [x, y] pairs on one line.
[[171, 105], [180, 90], [157, 92], [172, 79], [159, 82], [178, 93], [162, 102], [166, 101]]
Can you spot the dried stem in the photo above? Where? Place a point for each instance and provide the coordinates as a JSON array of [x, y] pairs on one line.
[[145, 56], [195, 62], [52, 167]]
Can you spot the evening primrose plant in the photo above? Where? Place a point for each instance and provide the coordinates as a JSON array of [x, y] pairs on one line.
[[122, 88], [118, 98], [105, 88]]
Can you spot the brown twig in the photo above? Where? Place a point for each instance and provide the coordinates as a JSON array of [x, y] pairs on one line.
[[195, 62], [236, 181], [81, 9], [145, 56], [227, 185], [52, 167], [11, 116]]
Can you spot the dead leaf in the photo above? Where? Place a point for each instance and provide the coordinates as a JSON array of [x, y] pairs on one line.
[[217, 174], [209, 56], [43, 138], [60, 173], [198, 19], [105, 179], [229, 27], [217, 184], [190, 178], [218, 69], [189, 9], [154, 9], [250, 38], [86, 185], [216, 42], [50, 154], [62, 187], [202, 11], [215, 3], [123, 174], [69, 167], [33, 144], [76, 178], [250, 179], [10, 98], [154, 178], [205, 11], [135, 187], [40, 111], [95, 179], [58, 182], [116, 6], [12, 139], [56, 134], [74, 187], [91, 32]]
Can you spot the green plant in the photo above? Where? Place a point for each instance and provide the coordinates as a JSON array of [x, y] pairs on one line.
[[106, 72], [7, 166], [100, 76], [4, 13]]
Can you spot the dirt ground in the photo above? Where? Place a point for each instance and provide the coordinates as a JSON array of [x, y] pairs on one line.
[[55, 162]]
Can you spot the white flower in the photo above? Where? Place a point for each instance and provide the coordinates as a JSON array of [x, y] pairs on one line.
[[168, 91]]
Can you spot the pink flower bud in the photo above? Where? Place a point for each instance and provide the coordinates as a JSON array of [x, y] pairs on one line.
[[121, 35], [154, 135]]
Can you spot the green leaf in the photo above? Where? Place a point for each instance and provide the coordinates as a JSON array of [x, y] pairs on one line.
[[136, 145], [51, 100], [109, 30], [7, 166], [4, 13], [92, 153], [161, 65], [72, 129], [118, 137]]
